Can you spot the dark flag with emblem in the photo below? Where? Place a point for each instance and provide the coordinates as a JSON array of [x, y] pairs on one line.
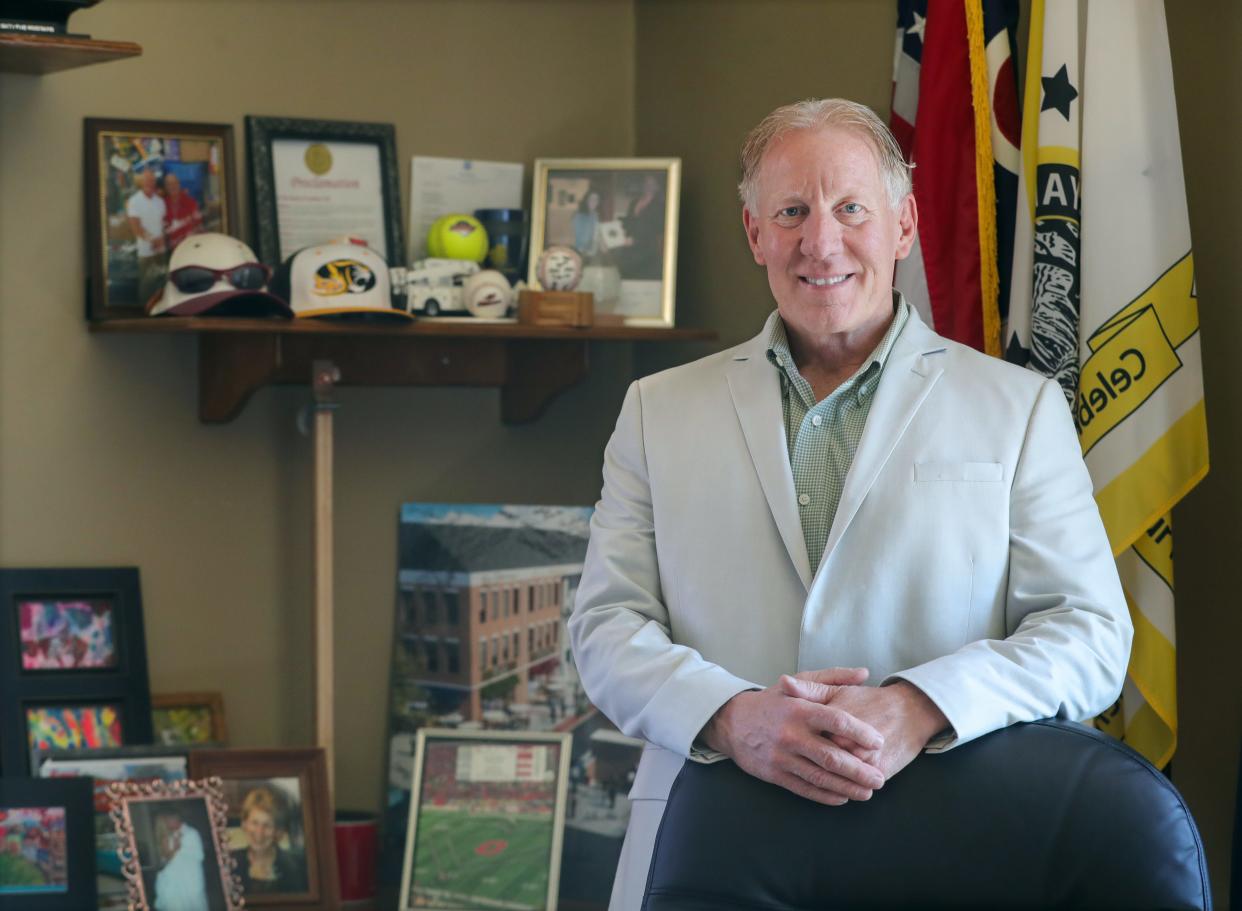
[[955, 115], [1104, 302]]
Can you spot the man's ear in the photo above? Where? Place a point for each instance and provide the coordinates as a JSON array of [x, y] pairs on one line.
[[908, 224], [751, 224]]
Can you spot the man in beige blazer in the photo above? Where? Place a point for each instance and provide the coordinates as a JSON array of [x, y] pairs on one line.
[[847, 494]]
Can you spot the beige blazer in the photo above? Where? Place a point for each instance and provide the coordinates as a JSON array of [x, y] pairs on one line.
[[967, 556]]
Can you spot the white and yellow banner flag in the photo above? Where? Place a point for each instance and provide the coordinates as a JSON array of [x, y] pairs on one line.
[[1109, 307]]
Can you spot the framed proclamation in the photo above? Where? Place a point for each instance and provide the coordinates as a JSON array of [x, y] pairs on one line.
[[312, 181]]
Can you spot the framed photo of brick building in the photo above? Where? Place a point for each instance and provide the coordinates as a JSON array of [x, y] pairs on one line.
[[479, 645]]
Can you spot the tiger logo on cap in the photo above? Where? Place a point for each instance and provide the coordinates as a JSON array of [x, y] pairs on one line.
[[343, 276]]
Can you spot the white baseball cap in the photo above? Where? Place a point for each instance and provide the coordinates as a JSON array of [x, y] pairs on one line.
[[339, 279], [216, 274]]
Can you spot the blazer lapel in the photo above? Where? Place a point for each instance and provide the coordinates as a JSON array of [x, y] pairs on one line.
[[755, 388], [914, 366]]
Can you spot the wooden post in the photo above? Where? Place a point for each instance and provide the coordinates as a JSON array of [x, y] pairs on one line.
[[324, 377]]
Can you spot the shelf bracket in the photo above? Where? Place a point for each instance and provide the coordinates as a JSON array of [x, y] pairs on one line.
[[537, 371]]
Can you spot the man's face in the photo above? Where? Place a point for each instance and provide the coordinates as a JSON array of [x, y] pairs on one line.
[[148, 182], [823, 226], [172, 186]]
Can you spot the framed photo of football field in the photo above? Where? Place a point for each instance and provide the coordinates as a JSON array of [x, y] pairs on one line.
[[486, 819]]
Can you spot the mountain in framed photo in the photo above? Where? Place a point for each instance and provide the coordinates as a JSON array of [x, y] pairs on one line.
[[483, 595]]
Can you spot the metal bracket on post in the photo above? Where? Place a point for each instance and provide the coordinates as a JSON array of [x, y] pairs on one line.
[[324, 377]]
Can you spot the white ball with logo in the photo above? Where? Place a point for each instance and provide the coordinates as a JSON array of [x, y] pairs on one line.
[[487, 294]]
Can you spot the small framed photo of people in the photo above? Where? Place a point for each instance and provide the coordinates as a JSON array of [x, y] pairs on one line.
[[73, 662], [486, 820], [47, 845], [141, 764], [620, 216], [189, 718], [149, 185], [171, 843], [279, 824]]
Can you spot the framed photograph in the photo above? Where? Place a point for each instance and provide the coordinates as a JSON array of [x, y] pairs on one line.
[[73, 662], [47, 845], [620, 214], [171, 842], [143, 764], [312, 181], [279, 829], [479, 642], [189, 718], [486, 820], [149, 185]]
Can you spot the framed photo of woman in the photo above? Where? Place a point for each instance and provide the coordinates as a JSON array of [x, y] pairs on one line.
[[171, 844], [620, 214], [279, 827]]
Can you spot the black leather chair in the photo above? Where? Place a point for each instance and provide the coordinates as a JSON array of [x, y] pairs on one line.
[[1042, 815]]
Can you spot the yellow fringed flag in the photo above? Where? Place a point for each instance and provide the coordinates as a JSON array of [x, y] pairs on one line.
[[1104, 301]]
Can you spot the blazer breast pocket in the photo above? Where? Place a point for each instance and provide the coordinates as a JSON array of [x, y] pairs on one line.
[[968, 472]]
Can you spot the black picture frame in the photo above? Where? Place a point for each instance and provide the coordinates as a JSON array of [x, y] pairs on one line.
[[76, 797], [262, 132], [29, 683], [112, 249]]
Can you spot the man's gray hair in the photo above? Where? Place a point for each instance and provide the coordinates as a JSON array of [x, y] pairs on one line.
[[817, 113]]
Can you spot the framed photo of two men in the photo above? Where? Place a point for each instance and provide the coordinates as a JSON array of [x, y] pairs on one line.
[[149, 185]]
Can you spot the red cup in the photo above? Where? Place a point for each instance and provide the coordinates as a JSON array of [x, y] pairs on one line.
[[357, 846]]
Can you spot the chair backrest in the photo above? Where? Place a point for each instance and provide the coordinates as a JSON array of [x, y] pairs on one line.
[[1041, 815]]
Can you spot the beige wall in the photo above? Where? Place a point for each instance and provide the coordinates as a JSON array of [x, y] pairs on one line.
[[102, 460], [707, 70]]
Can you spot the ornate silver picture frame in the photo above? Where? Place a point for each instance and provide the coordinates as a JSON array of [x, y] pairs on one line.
[[171, 841]]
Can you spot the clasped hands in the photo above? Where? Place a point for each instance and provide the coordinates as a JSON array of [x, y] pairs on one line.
[[824, 736]]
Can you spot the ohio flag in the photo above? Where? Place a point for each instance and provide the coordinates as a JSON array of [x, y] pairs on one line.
[[1103, 300], [955, 115]]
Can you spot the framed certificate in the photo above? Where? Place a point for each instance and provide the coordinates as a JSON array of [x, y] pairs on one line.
[[313, 181]]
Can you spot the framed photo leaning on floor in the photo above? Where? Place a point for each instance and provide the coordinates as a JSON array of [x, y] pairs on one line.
[[279, 824], [486, 819], [47, 845], [171, 841]]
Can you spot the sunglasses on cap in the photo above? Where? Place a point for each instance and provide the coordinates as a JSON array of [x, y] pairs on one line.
[[199, 279]]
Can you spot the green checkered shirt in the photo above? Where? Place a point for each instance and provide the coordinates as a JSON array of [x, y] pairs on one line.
[[823, 436]]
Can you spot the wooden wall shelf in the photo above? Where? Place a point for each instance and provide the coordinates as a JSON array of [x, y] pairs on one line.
[[529, 364], [36, 55]]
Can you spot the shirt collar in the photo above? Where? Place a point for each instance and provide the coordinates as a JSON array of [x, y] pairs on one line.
[[867, 376]]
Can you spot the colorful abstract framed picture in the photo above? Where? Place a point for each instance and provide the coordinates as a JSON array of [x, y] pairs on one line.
[[47, 845], [73, 662], [279, 831], [173, 852], [189, 718], [486, 820]]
